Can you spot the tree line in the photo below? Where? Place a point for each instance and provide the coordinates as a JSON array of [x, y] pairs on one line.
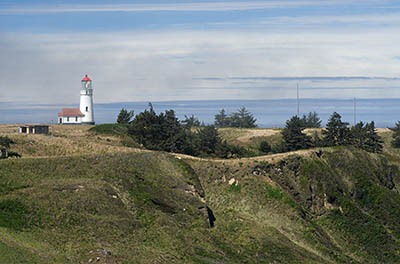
[[241, 118], [165, 132], [337, 133]]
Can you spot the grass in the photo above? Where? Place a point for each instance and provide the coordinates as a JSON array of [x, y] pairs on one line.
[[69, 141], [277, 194], [83, 202], [80, 191], [15, 254]]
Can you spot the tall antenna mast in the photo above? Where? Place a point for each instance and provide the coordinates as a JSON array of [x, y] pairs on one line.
[[298, 103], [354, 102]]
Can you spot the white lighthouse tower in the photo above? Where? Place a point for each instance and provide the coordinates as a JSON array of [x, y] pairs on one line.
[[86, 105]]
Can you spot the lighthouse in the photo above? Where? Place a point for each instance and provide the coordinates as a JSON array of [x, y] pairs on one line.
[[86, 105]]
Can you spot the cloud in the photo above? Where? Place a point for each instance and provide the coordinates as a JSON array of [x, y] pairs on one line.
[[180, 7], [319, 78], [142, 66], [390, 19], [209, 79]]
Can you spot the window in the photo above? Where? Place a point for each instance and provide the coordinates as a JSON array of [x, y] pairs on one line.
[[76, 119], [67, 118], [87, 108], [60, 120]]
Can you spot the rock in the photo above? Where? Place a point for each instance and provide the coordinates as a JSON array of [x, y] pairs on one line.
[[104, 251], [90, 260], [223, 178], [233, 181], [97, 259]]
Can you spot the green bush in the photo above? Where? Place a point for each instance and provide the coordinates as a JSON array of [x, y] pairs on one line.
[[13, 215], [265, 147], [108, 129]]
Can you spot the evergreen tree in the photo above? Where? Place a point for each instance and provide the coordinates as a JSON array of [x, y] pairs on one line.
[[373, 142], [311, 120], [358, 135], [222, 119], [365, 137], [209, 139], [396, 135], [146, 129], [171, 132], [191, 121], [336, 133], [124, 116], [293, 137], [243, 119]]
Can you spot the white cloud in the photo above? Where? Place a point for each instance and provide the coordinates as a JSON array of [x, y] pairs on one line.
[[143, 66], [194, 7], [392, 19]]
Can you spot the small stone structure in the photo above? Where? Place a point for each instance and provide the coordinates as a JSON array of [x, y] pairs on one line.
[[36, 129]]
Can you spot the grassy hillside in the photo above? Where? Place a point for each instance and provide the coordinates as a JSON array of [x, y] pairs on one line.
[[95, 198], [343, 206]]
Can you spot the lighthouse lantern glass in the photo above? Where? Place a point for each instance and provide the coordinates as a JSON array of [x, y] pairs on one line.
[[86, 84]]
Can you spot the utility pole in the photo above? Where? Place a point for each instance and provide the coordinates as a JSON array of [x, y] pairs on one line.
[[354, 102], [52, 129], [298, 103]]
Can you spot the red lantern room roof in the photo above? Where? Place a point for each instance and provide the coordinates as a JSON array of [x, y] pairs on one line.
[[86, 79]]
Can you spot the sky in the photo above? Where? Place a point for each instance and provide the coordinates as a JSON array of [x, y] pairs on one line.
[[198, 50]]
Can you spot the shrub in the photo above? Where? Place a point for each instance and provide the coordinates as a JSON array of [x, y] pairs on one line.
[[124, 117], [265, 147], [6, 142], [109, 129]]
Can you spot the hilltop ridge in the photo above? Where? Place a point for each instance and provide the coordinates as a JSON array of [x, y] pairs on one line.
[[80, 196]]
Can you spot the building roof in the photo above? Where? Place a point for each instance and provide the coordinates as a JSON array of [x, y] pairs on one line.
[[70, 112], [34, 126], [86, 78]]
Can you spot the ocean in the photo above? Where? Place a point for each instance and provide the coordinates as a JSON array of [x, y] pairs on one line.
[[269, 113]]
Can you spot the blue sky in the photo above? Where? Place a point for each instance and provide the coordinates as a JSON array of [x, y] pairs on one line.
[[198, 50]]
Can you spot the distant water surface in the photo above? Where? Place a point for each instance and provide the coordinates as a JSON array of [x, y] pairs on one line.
[[269, 113]]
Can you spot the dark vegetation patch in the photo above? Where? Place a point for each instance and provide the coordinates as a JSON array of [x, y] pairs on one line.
[[108, 129], [15, 215]]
